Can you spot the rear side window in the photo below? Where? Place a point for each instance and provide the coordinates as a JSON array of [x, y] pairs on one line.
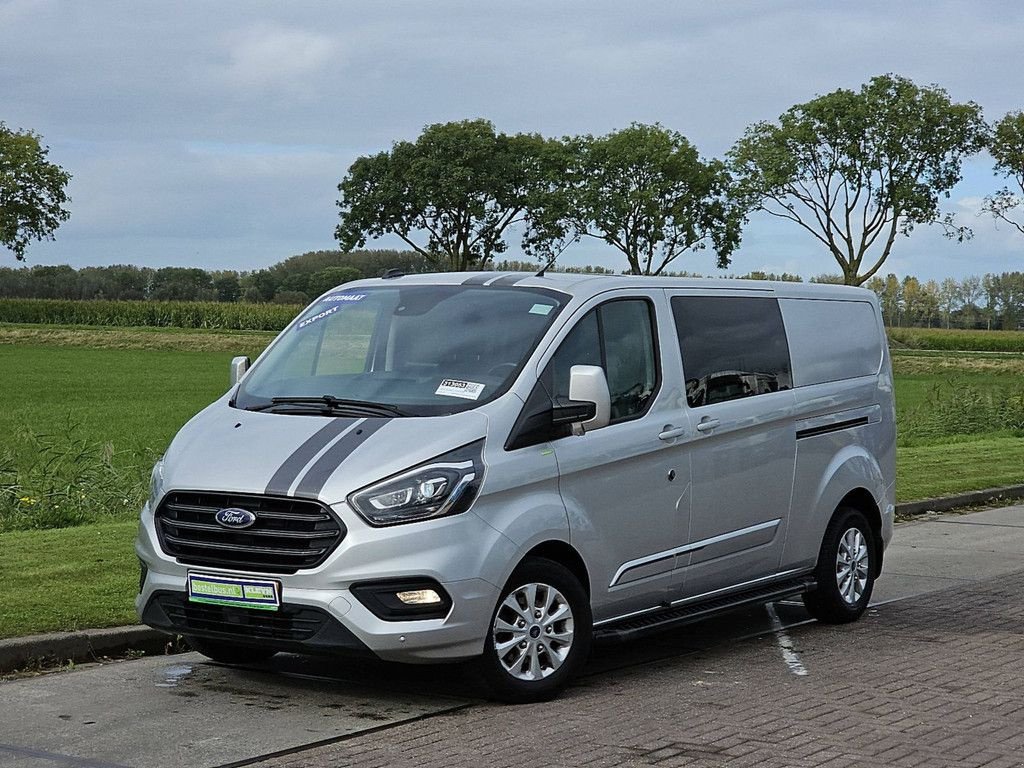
[[732, 347], [619, 337], [832, 340]]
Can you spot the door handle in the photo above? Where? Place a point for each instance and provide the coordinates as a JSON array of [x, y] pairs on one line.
[[670, 433], [706, 425]]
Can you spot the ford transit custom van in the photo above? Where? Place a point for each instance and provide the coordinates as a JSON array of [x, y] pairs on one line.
[[497, 466]]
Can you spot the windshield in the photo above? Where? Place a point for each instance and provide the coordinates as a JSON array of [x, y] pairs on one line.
[[426, 350]]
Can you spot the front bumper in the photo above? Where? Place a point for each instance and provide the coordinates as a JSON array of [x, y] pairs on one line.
[[292, 628], [337, 621], [451, 551]]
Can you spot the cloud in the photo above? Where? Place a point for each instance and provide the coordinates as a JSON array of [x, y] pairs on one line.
[[266, 57]]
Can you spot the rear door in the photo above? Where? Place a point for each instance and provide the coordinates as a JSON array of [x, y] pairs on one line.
[[738, 382]]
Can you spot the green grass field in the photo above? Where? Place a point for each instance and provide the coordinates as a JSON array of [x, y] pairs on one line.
[[133, 388]]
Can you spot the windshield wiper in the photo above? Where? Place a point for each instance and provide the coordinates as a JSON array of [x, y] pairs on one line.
[[330, 403]]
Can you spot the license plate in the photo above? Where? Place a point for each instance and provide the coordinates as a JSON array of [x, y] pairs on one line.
[[216, 589]]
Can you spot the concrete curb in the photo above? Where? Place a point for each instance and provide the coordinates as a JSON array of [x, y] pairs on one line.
[[944, 503], [86, 645], [89, 644]]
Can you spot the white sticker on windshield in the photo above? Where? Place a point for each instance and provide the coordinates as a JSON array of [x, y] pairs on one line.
[[344, 297], [468, 390], [541, 309], [309, 320]]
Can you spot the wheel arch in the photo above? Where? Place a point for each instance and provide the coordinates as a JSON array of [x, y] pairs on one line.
[[565, 555]]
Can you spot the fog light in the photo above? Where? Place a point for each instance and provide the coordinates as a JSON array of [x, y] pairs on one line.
[[405, 599], [419, 597]]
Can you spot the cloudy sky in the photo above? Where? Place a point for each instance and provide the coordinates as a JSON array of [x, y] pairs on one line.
[[215, 133]]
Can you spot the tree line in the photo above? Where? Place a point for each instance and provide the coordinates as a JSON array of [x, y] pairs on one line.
[[994, 301]]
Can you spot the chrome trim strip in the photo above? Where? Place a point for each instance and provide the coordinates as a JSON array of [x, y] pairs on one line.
[[703, 595], [691, 547]]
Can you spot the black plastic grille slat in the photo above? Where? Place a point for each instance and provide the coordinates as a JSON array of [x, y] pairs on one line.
[[289, 623], [288, 535]]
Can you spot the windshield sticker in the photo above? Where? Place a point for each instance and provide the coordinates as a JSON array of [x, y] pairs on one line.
[[344, 297], [314, 318], [541, 309], [467, 390]]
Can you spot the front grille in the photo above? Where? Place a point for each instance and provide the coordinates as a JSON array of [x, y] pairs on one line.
[[288, 534], [290, 623]]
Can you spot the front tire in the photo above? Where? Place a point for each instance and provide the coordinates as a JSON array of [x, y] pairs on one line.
[[845, 572], [540, 633], [227, 652]]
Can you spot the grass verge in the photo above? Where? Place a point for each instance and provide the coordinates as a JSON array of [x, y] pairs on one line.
[[927, 471], [68, 578]]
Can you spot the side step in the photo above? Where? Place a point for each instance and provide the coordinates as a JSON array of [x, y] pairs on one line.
[[637, 626]]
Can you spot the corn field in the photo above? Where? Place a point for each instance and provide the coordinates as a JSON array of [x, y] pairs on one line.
[[159, 314]]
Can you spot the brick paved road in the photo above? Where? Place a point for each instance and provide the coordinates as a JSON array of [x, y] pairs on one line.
[[935, 681]]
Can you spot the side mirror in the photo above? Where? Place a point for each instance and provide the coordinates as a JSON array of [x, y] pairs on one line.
[[587, 384], [239, 365]]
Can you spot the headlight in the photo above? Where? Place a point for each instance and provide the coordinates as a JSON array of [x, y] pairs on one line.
[[156, 484], [442, 486]]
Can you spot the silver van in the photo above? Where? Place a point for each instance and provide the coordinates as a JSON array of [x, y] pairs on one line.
[[498, 466]]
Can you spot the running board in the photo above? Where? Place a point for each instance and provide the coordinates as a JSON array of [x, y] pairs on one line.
[[637, 626]]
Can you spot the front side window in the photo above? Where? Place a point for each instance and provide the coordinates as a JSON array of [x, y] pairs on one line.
[[422, 349], [619, 337], [732, 347]]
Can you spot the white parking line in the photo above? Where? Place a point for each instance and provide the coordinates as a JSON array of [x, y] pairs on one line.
[[789, 654]]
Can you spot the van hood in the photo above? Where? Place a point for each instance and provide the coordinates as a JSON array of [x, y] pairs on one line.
[[326, 458]]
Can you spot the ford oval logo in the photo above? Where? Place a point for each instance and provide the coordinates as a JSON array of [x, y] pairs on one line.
[[232, 517]]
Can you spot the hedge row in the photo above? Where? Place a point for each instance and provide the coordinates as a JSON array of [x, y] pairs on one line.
[[160, 314], [958, 340]]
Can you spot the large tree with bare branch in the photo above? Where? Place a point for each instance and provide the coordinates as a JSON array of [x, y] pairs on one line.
[[1007, 149], [857, 169]]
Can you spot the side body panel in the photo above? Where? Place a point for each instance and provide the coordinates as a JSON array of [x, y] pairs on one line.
[[845, 416]]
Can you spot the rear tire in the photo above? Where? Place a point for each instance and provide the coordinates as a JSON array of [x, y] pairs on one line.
[[227, 652], [540, 633], [845, 572]]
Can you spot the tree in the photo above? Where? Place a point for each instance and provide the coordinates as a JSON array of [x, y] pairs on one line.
[[32, 195], [913, 300], [890, 297], [227, 286], [453, 193], [930, 301], [949, 298], [1007, 149], [1008, 291], [990, 290], [970, 293], [645, 191], [856, 169]]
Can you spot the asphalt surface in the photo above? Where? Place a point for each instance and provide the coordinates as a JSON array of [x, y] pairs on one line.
[[938, 655]]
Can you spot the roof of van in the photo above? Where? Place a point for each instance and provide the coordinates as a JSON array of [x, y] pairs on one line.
[[584, 286]]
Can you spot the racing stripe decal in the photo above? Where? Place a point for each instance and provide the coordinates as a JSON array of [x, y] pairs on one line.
[[479, 279], [313, 481], [294, 464]]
